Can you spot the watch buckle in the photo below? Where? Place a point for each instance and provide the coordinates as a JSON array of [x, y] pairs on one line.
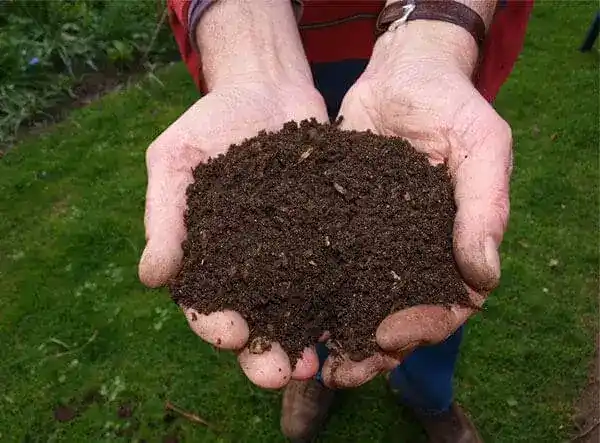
[[406, 11]]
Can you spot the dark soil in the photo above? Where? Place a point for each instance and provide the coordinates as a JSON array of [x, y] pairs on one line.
[[64, 413], [125, 411], [130, 426], [315, 229]]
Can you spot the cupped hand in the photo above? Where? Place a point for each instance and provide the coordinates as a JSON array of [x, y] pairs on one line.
[[433, 104], [223, 117]]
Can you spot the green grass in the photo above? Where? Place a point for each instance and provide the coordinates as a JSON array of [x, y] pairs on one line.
[[72, 205]]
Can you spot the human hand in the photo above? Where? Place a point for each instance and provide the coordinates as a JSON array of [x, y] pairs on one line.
[[256, 71], [418, 86], [207, 129]]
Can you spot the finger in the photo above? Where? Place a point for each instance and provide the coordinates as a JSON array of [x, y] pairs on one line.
[[270, 370], [225, 330], [424, 324], [482, 199], [307, 365], [169, 168], [394, 358], [342, 372], [354, 100]]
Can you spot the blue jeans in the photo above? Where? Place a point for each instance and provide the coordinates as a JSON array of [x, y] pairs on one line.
[[424, 380]]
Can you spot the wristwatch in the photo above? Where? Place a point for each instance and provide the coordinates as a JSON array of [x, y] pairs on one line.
[[397, 13]]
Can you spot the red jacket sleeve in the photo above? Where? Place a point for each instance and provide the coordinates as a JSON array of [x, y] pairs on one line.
[[178, 19], [503, 46], [355, 39]]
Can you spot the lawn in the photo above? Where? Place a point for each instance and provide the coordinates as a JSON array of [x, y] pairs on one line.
[[78, 328]]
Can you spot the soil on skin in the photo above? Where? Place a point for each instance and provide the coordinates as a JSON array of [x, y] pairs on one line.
[[315, 229], [587, 419]]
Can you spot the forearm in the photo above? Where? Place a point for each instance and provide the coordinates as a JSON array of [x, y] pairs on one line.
[[240, 40], [448, 42]]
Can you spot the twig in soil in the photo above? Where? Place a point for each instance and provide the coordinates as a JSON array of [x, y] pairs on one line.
[[587, 432], [305, 155], [339, 188], [190, 416]]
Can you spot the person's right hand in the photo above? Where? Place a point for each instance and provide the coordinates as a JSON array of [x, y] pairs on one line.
[[223, 117]]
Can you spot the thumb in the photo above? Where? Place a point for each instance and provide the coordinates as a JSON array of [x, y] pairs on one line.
[[482, 200], [169, 174]]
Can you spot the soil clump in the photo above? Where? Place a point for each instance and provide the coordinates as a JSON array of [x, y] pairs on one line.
[[314, 229]]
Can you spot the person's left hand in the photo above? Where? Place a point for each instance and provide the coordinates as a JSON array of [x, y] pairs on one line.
[[421, 90]]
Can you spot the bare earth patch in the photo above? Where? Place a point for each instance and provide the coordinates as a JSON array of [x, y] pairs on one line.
[[587, 418]]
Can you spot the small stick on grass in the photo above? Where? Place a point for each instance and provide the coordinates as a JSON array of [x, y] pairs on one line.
[[190, 416], [59, 342], [70, 351], [587, 432]]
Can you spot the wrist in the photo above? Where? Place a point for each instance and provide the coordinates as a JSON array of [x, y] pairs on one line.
[[241, 42], [449, 43], [443, 43]]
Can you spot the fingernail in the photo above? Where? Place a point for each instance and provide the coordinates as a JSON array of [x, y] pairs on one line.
[[150, 274], [491, 253], [492, 259]]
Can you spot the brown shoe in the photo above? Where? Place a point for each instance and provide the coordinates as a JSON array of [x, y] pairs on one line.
[[304, 409], [452, 426]]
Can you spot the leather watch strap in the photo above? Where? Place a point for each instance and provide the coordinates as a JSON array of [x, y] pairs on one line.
[[449, 11]]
